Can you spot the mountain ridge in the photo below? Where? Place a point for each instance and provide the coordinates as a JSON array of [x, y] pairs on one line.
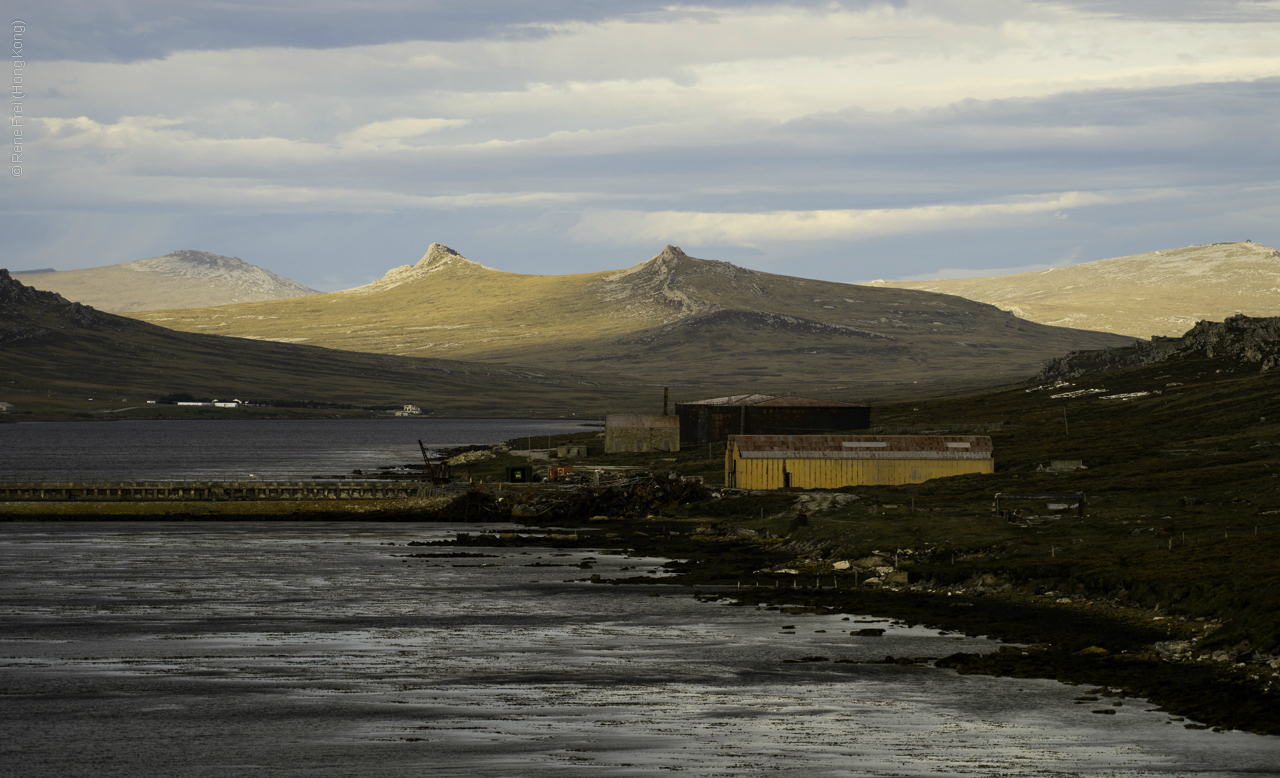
[[673, 315], [185, 278], [1161, 292], [50, 346]]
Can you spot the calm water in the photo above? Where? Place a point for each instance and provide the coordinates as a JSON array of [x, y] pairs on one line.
[[324, 650], [230, 449]]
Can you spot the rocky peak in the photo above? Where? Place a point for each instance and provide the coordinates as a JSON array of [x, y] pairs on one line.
[[658, 280], [215, 269], [669, 255], [439, 254], [190, 263], [438, 257]]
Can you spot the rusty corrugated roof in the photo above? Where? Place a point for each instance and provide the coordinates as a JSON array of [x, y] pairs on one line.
[[863, 446], [768, 400]]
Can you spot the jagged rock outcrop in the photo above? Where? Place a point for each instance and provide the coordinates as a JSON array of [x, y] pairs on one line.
[[658, 280], [1240, 340], [27, 313], [13, 292], [439, 257]]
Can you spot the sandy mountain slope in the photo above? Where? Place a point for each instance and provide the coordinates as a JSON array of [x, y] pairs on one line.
[[49, 346], [183, 279], [1157, 293], [674, 318]]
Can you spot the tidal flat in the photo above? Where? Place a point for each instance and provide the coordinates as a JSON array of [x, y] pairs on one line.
[[338, 649]]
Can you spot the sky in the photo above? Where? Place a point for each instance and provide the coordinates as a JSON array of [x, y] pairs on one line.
[[332, 140]]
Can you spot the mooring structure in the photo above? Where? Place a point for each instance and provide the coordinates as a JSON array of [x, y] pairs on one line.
[[216, 491]]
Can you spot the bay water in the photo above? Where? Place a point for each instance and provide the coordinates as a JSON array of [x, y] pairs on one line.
[[338, 649], [233, 449]]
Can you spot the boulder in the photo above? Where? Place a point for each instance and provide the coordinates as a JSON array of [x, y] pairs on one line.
[[870, 562], [1173, 649]]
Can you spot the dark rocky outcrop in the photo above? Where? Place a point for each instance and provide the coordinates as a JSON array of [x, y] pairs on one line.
[[1239, 341], [21, 306]]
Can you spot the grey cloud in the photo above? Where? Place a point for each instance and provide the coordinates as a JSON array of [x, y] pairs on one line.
[[1213, 146], [1176, 137], [1219, 11], [128, 30]]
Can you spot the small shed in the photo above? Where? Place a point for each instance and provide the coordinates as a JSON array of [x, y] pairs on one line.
[[833, 461], [635, 432], [6, 407], [713, 420]]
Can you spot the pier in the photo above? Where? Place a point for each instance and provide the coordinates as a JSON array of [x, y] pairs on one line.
[[216, 491]]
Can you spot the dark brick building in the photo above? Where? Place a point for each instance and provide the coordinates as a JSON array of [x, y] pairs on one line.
[[707, 421]]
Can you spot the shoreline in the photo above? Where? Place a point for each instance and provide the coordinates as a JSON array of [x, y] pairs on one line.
[[1110, 647], [1123, 651]]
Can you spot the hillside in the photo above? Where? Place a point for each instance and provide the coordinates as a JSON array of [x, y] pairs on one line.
[[51, 348], [1179, 538], [183, 279], [1157, 293], [674, 318]]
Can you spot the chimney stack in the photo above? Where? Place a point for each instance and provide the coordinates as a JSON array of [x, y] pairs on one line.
[[664, 400]]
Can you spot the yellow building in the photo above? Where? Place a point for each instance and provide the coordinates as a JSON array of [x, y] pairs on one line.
[[833, 461]]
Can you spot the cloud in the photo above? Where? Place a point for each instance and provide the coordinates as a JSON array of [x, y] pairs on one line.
[[1212, 11], [393, 133], [747, 229], [580, 136], [131, 30], [950, 273]]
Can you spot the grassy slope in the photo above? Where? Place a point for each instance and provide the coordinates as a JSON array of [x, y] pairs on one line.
[[95, 354], [674, 318], [1157, 293], [1197, 460], [1184, 464]]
